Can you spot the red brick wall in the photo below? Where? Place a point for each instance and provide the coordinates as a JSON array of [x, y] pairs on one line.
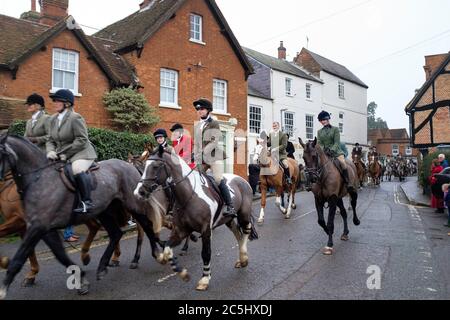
[[35, 75], [432, 63], [218, 62], [305, 60]]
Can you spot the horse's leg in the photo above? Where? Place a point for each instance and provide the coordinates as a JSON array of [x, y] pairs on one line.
[[137, 254], [30, 278], [203, 284], [263, 188], [54, 242], [115, 260], [147, 226], [344, 215], [321, 217], [168, 256], [332, 201], [185, 248], [291, 203], [114, 233], [279, 201], [354, 202], [33, 236], [93, 227]]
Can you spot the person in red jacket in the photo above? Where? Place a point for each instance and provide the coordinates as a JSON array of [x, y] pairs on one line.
[[436, 203], [182, 144]]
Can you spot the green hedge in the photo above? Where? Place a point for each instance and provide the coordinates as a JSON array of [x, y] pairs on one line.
[[425, 169], [108, 144]]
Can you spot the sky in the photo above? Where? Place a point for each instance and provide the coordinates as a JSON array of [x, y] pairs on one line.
[[382, 41]]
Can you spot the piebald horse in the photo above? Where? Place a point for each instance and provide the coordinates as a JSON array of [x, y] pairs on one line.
[[328, 186], [272, 175], [198, 208]]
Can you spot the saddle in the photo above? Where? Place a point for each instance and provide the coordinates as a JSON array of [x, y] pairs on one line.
[[213, 186], [68, 177]]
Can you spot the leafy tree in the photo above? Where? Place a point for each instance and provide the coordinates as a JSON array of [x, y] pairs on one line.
[[130, 110], [372, 121]]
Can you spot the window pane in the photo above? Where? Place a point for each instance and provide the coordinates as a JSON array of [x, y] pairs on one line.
[[69, 80], [58, 79]]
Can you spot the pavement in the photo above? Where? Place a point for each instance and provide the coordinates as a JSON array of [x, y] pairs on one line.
[[414, 193], [405, 247]]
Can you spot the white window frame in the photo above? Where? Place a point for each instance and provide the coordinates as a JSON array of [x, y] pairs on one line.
[[398, 149], [192, 30], [341, 89], [168, 103], [341, 122], [286, 125], [76, 71], [250, 113], [308, 88], [288, 88], [309, 121], [225, 97]]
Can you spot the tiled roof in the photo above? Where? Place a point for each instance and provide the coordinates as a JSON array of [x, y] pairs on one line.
[[336, 69], [280, 64], [254, 92]]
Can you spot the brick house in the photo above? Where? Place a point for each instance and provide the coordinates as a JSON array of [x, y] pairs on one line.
[[429, 110], [207, 61], [391, 142]]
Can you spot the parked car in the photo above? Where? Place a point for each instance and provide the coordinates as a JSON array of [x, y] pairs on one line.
[[441, 178]]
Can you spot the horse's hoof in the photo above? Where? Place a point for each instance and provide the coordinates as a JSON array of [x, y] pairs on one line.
[[260, 221], [86, 260], [345, 237], [202, 287], [84, 290], [161, 259], [114, 264], [3, 292], [327, 251], [184, 275], [101, 274], [294, 206], [4, 262], [28, 282], [287, 217], [241, 264], [357, 222], [134, 265], [193, 238]]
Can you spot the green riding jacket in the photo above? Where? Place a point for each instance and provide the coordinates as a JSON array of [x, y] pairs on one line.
[[330, 137]]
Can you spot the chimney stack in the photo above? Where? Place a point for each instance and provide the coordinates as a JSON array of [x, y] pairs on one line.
[[53, 11], [281, 51], [33, 5], [31, 15]]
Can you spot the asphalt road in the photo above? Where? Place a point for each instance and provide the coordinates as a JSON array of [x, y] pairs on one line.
[[408, 244]]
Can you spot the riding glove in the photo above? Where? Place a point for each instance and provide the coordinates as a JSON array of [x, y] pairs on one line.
[[63, 157], [52, 155]]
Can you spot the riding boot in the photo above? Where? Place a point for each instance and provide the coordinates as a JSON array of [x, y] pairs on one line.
[[226, 196], [287, 175], [84, 187], [346, 179]]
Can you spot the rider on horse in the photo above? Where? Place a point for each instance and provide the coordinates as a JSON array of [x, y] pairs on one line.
[[207, 152], [37, 127], [182, 144], [69, 141], [278, 142], [357, 150], [329, 138]]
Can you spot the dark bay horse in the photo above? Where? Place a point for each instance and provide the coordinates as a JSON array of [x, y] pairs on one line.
[[48, 205], [198, 208], [272, 175], [375, 170], [328, 186], [360, 170]]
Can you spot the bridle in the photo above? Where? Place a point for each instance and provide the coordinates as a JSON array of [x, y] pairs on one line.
[[318, 170]]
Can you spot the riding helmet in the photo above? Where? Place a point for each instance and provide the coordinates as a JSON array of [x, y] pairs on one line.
[[63, 95], [203, 103], [160, 133], [176, 127], [35, 99], [324, 116]]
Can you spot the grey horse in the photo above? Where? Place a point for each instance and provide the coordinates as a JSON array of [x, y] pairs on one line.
[[48, 205], [198, 209]]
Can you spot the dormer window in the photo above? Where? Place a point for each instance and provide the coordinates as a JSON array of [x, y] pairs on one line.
[[196, 28]]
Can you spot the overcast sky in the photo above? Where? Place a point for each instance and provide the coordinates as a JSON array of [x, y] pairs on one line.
[[382, 41]]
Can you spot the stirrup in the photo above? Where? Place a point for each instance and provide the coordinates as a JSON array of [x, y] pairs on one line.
[[83, 209], [229, 212]]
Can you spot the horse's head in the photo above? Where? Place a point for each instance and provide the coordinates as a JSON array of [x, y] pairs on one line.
[[159, 169], [312, 160], [8, 157], [356, 157]]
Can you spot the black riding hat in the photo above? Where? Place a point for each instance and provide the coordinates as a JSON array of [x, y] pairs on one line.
[[203, 103], [324, 116], [35, 99], [357, 144], [63, 95], [176, 127], [160, 133]]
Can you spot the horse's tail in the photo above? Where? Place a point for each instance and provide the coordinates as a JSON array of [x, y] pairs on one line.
[[253, 233]]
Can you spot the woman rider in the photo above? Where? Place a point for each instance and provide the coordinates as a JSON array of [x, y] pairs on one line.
[[329, 138], [69, 141], [37, 127]]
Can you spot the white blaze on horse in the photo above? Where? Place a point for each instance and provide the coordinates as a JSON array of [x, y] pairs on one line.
[[198, 208], [272, 175]]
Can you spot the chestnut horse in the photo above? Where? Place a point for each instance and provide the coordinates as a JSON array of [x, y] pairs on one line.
[[360, 170], [375, 170], [272, 175]]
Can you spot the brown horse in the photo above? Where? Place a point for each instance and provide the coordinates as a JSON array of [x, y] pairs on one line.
[[374, 170], [360, 170], [272, 175], [328, 186]]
